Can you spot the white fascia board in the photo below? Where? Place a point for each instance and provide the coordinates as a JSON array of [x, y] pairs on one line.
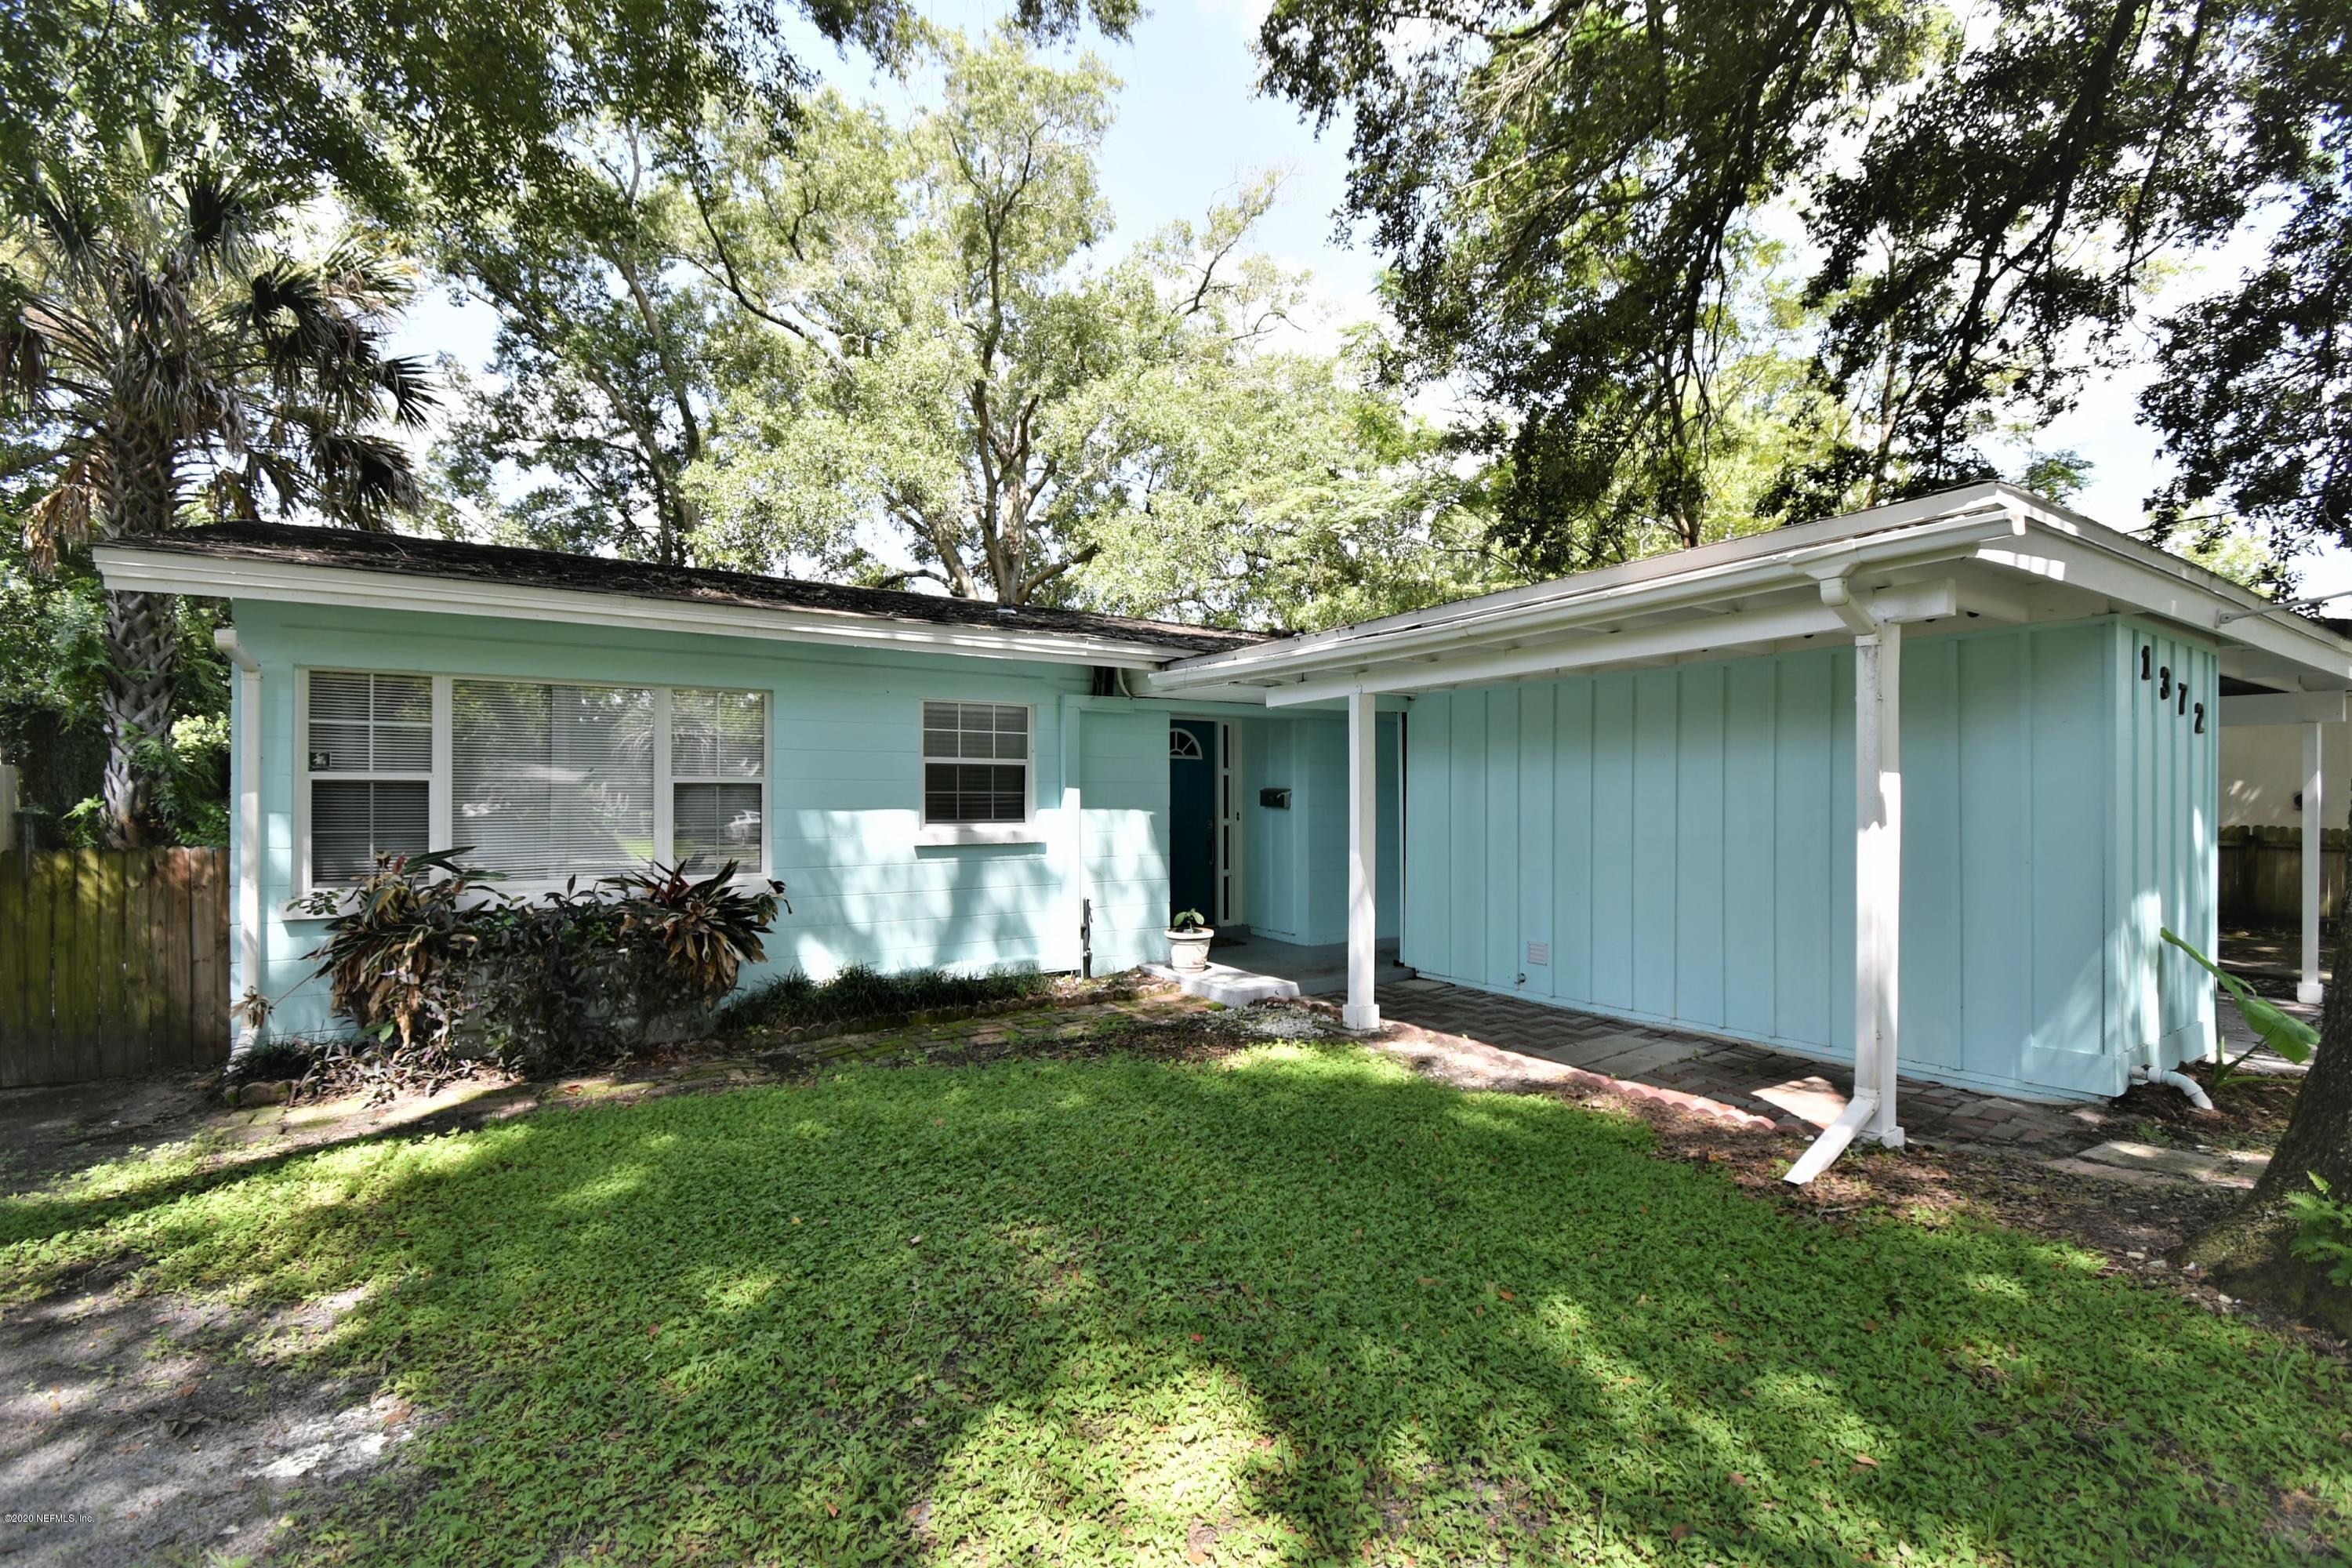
[[2283, 708], [1571, 605], [1713, 634], [2142, 580], [179, 572]]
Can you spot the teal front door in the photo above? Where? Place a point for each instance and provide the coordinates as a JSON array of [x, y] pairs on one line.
[[1192, 817]]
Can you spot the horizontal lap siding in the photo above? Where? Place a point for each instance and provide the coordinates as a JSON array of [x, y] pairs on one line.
[[1683, 841], [844, 797]]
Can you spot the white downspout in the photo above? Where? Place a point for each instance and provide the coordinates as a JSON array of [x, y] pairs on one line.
[[2180, 1081], [1074, 835], [251, 939], [1877, 883]]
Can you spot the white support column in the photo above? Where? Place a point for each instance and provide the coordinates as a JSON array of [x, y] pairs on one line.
[[1878, 871], [1363, 858], [2315, 823]]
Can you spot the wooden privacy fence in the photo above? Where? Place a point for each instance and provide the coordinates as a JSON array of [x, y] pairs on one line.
[[2261, 874], [112, 962]]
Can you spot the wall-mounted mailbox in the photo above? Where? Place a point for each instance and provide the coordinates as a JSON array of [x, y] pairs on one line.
[[1273, 799]]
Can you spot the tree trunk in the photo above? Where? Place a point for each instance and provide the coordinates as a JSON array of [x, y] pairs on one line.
[[2249, 1251], [141, 645]]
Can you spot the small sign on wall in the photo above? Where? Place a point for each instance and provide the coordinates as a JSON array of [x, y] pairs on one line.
[[1273, 799]]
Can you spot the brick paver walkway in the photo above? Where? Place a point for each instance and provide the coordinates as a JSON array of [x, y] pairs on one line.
[[1796, 1093]]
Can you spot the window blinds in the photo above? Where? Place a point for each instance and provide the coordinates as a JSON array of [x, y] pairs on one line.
[[370, 755], [975, 763], [717, 754], [551, 781]]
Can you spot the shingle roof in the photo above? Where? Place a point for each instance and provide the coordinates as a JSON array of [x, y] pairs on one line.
[[409, 556]]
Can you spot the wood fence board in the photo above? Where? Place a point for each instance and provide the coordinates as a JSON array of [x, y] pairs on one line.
[[39, 875], [111, 963], [105, 913], [150, 957], [178, 1037], [208, 956], [15, 958]]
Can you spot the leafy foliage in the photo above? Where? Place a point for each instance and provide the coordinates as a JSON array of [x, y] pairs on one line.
[[861, 991], [167, 350], [1092, 1311], [433, 966], [2282, 1032], [1572, 192], [2323, 1226], [885, 350]]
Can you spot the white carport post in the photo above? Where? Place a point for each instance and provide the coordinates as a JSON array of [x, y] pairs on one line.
[[1877, 885], [2315, 821], [1878, 867], [1363, 850]]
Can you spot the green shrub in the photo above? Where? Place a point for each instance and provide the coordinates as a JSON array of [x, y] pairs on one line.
[[862, 990], [433, 966], [2323, 1229]]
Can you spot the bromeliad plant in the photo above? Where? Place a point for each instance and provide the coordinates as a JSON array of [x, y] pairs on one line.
[[2273, 1026], [436, 968]]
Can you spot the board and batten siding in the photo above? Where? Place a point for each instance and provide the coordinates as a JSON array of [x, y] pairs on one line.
[[844, 802], [1295, 882], [1677, 844]]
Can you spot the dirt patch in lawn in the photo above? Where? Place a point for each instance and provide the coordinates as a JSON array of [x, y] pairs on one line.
[[152, 1428]]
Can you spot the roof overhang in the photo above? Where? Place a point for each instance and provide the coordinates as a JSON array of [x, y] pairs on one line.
[[1988, 552], [132, 568]]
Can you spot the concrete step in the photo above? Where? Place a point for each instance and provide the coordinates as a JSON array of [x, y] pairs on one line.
[[1222, 982], [2220, 1168]]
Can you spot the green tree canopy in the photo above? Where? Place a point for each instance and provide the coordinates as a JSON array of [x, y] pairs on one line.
[[406, 104], [1570, 193], [888, 351]]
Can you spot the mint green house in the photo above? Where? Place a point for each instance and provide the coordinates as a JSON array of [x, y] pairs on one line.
[[1928, 778]]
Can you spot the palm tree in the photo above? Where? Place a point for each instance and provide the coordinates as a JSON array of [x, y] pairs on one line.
[[168, 357]]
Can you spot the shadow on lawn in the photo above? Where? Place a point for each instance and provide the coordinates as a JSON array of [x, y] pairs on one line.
[[1298, 1306]]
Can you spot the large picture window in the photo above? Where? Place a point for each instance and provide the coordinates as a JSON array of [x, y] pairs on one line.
[[539, 781], [975, 763]]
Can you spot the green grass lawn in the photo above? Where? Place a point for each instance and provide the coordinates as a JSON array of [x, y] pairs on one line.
[[1294, 1306]]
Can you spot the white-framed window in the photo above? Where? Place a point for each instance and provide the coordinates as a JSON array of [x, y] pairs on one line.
[[719, 772], [540, 781], [369, 757], [976, 765]]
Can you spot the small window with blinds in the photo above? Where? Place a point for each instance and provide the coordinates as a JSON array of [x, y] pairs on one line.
[[975, 763], [370, 763], [718, 770]]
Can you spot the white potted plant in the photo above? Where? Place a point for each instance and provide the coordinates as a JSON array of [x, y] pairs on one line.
[[1188, 943]]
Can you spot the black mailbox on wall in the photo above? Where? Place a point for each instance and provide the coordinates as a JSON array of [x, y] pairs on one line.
[[1275, 799]]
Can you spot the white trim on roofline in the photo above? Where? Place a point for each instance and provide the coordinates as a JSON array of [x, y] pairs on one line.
[[1994, 527], [130, 568]]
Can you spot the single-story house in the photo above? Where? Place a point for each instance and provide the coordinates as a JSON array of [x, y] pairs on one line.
[[1935, 773]]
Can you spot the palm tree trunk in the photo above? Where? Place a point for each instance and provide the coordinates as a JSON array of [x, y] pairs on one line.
[[142, 645]]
